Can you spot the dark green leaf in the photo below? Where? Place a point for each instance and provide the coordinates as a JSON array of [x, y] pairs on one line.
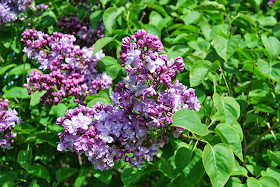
[[25, 158], [81, 177], [38, 170], [64, 173], [105, 176]]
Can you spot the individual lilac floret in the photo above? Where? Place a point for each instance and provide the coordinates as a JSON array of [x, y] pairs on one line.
[[8, 120], [73, 69]]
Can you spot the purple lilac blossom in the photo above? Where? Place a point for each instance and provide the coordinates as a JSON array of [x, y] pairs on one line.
[[139, 122], [82, 30], [73, 69], [9, 9], [8, 120]]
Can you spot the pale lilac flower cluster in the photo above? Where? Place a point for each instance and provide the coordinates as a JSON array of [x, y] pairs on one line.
[[148, 89], [85, 34], [41, 6], [106, 134], [73, 69], [8, 119], [271, 2], [9, 9], [139, 122]]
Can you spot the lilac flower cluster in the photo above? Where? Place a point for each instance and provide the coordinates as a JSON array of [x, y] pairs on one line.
[[41, 6], [73, 69], [139, 122], [271, 2], [9, 9], [85, 34], [8, 119]]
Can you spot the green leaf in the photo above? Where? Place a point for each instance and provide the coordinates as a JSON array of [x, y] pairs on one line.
[[218, 162], [7, 177], [131, 175], [236, 126], [36, 96], [228, 135], [102, 42], [255, 170], [199, 71], [228, 109], [64, 173], [95, 17], [17, 92], [252, 182], [264, 108], [105, 93], [273, 157], [210, 6], [58, 110], [109, 18], [47, 19], [110, 66], [166, 168], [105, 176], [5, 68], [274, 172], [20, 69], [272, 72], [188, 119], [6, 37], [38, 170], [272, 45], [247, 18], [190, 164], [154, 18], [82, 13], [42, 151], [100, 100], [268, 181], [152, 29], [177, 50], [225, 48], [164, 22], [25, 158], [81, 177]]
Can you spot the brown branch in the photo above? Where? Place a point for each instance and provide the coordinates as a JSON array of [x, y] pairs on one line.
[[221, 70], [263, 134], [253, 128]]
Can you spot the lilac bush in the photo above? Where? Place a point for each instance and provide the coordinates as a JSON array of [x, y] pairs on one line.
[[73, 68], [139, 122], [8, 119]]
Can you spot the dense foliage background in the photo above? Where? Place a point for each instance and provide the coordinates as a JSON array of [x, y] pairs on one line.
[[231, 54]]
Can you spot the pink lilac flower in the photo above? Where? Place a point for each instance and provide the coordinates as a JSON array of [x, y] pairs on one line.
[[73, 69], [8, 120]]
